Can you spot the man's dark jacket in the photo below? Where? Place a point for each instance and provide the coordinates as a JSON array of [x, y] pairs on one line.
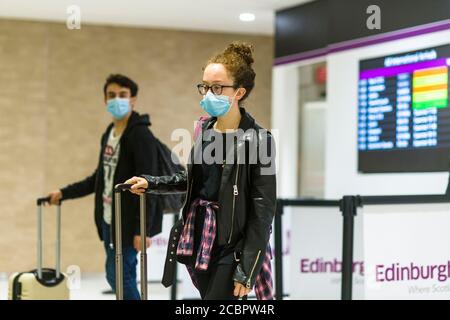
[[138, 155]]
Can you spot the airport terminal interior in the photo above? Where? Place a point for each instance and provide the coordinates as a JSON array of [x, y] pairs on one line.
[[100, 99]]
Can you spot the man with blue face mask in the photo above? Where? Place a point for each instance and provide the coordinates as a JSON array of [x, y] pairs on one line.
[[127, 148]]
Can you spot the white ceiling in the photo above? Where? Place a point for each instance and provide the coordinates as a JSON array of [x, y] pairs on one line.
[[205, 15]]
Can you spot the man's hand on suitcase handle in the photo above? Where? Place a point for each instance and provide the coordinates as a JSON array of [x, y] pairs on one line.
[[54, 198], [139, 185], [137, 242]]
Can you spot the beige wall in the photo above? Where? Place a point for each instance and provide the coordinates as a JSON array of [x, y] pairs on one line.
[[52, 116]]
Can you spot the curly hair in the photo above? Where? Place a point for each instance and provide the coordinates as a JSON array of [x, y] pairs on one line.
[[238, 60]]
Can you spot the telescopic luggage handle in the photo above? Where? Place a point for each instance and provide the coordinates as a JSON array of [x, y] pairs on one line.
[[40, 202], [119, 255]]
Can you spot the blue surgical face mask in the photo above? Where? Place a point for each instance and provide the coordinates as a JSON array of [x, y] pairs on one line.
[[215, 105], [119, 107]]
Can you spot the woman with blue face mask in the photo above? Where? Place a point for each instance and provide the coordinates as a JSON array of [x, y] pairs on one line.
[[223, 236]]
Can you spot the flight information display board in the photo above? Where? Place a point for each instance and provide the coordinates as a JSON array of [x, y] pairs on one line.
[[403, 112]]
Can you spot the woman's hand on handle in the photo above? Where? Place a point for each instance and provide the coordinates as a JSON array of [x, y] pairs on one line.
[[240, 290], [139, 185]]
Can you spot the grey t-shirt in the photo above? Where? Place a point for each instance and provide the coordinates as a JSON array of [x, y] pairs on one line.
[[110, 159]]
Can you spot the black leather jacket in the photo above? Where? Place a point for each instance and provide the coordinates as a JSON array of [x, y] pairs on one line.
[[247, 196]]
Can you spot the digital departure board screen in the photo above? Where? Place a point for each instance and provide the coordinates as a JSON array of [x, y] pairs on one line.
[[403, 112]]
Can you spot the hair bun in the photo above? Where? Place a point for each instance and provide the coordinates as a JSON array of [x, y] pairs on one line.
[[244, 50]]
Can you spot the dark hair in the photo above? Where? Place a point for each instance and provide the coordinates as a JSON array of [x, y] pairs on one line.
[[122, 81], [238, 60]]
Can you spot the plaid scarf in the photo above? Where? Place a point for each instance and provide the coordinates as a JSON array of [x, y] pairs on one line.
[[263, 282]]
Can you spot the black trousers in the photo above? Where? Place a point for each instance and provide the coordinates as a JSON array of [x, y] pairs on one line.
[[217, 283]]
